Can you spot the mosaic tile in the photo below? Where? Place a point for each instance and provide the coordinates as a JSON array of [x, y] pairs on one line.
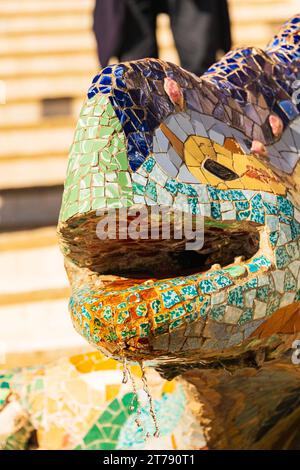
[[232, 314], [83, 412]]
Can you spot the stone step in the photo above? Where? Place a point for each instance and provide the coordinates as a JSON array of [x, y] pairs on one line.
[[46, 43], [52, 23], [26, 172], [242, 13], [47, 139], [24, 240], [40, 65], [36, 88], [36, 333], [37, 112], [31, 270], [36, 7], [258, 35], [26, 208], [34, 292]]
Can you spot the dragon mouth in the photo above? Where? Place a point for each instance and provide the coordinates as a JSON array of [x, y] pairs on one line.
[[161, 259], [126, 278], [224, 243]]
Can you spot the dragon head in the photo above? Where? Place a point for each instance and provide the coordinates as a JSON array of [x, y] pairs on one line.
[[223, 147]]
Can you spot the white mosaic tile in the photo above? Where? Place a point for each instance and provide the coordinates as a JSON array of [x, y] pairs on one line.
[[260, 309]]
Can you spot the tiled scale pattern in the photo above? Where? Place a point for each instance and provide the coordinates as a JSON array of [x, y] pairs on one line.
[[80, 403], [134, 145]]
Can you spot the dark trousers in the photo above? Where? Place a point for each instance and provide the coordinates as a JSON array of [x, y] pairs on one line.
[[200, 29]]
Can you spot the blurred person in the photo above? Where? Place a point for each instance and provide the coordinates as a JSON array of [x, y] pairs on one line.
[[126, 29]]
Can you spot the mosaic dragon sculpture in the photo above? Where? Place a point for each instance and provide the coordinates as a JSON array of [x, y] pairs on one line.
[[225, 147]]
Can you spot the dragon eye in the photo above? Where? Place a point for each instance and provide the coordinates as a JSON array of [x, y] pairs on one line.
[[219, 170]]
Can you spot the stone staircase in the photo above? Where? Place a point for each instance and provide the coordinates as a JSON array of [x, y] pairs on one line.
[[47, 60], [35, 326]]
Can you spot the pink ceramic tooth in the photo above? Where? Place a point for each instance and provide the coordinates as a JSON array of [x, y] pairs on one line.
[[259, 148], [276, 125], [173, 91]]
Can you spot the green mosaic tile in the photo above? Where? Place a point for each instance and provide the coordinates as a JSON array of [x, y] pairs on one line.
[[104, 434], [145, 329], [98, 179], [176, 324], [222, 281], [170, 298], [114, 203], [189, 292], [290, 283], [124, 179], [282, 257], [162, 318], [156, 306], [138, 188], [122, 160], [148, 164], [262, 293], [293, 250], [177, 313], [151, 190], [235, 297], [207, 286], [246, 316], [273, 303], [99, 203], [98, 192], [112, 190], [105, 131], [141, 310], [236, 271], [218, 312]]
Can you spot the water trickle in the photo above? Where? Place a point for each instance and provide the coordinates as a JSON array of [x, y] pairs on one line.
[[138, 423], [127, 374], [151, 406], [125, 371], [135, 397]]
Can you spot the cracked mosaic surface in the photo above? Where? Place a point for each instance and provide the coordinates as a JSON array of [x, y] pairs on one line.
[[213, 152]]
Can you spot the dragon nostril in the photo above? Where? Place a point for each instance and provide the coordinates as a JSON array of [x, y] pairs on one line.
[[219, 170], [174, 92], [258, 148], [276, 125]]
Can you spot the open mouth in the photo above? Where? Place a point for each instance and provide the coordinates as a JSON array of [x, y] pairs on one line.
[[147, 258]]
